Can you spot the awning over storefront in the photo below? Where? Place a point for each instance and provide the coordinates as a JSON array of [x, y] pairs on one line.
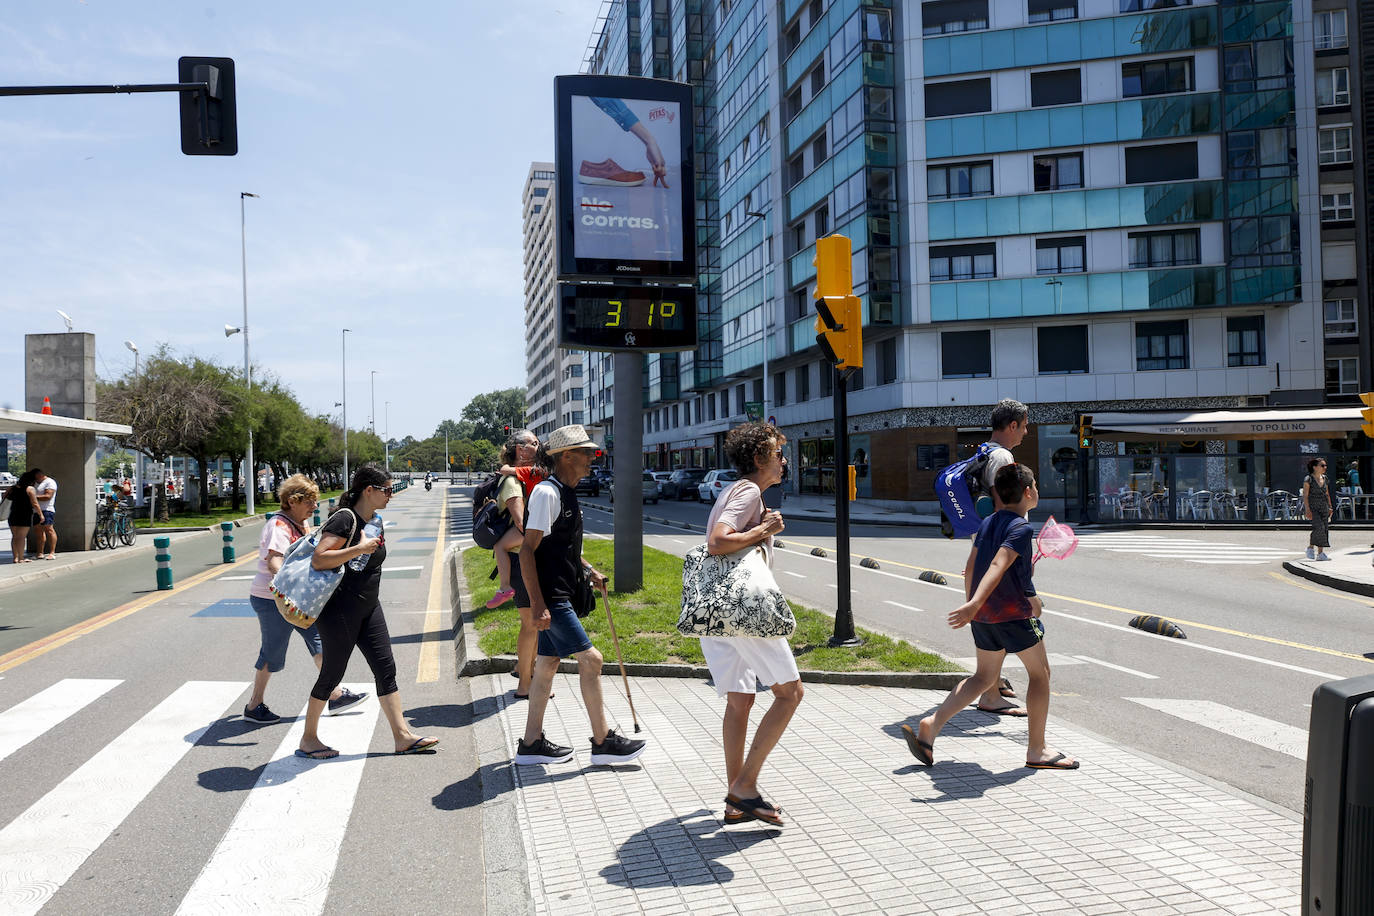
[[23, 421], [1261, 423]]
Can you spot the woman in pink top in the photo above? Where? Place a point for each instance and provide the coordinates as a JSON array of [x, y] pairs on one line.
[[298, 496], [737, 522]]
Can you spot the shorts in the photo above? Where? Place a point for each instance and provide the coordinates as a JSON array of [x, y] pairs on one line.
[[48, 516], [565, 635], [737, 662], [517, 582], [276, 633], [1008, 636]]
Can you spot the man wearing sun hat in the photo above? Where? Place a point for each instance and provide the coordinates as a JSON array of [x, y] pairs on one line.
[[553, 570]]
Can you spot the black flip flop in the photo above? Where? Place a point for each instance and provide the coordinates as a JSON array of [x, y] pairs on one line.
[[921, 750], [756, 808], [1016, 712], [1006, 690], [1054, 763], [420, 745]]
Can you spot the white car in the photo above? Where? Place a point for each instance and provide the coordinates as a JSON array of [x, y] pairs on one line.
[[659, 477], [709, 490], [7, 479]]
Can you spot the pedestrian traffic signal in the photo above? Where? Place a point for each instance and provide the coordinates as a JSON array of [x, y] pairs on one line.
[[209, 118], [1368, 413], [1085, 431], [839, 322], [853, 483]]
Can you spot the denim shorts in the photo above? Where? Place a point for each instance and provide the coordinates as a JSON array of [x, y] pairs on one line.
[[276, 633], [565, 635], [48, 516]]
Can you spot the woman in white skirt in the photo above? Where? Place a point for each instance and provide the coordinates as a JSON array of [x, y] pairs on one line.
[[739, 521]]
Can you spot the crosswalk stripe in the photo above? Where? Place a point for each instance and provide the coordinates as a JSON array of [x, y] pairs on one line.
[[43, 847], [1237, 723], [279, 854], [905, 607], [1122, 668], [25, 721], [1013, 661]]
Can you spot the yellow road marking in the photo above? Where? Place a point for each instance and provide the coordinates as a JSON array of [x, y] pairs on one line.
[[1191, 623], [1326, 592], [76, 631], [429, 649]]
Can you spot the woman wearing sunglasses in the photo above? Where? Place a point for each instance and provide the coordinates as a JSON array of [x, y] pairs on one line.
[[1316, 504], [353, 614]]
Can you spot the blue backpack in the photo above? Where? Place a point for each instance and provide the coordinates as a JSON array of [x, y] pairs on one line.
[[960, 487]]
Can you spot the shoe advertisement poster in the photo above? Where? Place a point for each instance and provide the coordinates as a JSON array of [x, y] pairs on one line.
[[625, 177]]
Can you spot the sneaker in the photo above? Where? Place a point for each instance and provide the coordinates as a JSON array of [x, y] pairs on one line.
[[541, 751], [500, 598], [346, 699], [616, 749], [261, 713], [1311, 553], [609, 174], [1322, 556]]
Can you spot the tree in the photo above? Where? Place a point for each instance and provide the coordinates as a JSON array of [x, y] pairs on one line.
[[456, 429], [114, 464], [490, 413]]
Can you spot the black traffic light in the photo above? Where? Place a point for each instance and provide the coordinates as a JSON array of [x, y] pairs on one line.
[[1085, 431], [209, 122]]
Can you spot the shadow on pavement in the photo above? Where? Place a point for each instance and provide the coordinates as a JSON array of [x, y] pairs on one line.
[[488, 782], [445, 634], [709, 839]]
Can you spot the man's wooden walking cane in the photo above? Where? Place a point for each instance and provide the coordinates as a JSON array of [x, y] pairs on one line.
[[616, 640]]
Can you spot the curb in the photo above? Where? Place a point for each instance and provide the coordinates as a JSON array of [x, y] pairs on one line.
[[501, 664], [1337, 582], [100, 558], [238, 523]]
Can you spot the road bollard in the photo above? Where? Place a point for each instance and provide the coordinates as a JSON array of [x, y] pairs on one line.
[[228, 530], [164, 562], [331, 506], [317, 514]]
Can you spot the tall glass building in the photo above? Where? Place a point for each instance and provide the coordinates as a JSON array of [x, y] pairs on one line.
[[1088, 205]]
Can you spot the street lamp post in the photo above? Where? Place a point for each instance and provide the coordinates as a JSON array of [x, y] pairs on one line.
[[138, 456], [386, 438], [250, 486], [344, 351], [373, 416]]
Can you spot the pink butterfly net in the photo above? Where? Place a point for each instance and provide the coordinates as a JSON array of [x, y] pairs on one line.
[[1055, 540]]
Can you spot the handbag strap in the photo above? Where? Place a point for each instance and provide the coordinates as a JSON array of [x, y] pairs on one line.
[[353, 516]]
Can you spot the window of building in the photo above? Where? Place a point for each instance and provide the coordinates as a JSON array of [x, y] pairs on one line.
[[827, 379], [887, 361], [1263, 153], [959, 179], [1051, 10], [818, 151], [1329, 29], [822, 222], [966, 354], [796, 169], [1343, 376], [1062, 349], [1056, 87], [1059, 171], [1333, 87], [1164, 249], [855, 381], [792, 37], [1161, 162], [942, 16], [1258, 66], [710, 407], [1340, 317], [798, 304], [725, 403], [1061, 255], [803, 377], [1135, 6], [739, 399], [1161, 345], [1267, 240], [1337, 203], [1156, 77], [792, 104], [1333, 145], [818, 79], [963, 262], [780, 389], [815, 12], [1245, 340], [958, 97]]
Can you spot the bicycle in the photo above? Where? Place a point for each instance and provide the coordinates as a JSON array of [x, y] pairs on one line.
[[113, 522]]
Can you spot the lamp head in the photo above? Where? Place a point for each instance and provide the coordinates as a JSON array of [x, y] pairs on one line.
[[130, 345], [65, 317], [230, 330]]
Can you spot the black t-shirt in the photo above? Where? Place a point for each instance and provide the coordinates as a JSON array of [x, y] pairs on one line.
[[359, 587]]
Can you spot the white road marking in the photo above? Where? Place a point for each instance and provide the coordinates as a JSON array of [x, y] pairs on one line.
[[1012, 661], [234, 578], [401, 569], [1234, 562], [786, 572], [827, 585], [675, 541], [43, 847], [1234, 722], [905, 607], [25, 721], [1097, 661], [259, 865]]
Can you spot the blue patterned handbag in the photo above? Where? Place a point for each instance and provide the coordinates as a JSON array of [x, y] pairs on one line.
[[299, 589]]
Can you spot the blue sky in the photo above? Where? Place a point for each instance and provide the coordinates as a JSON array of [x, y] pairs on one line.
[[389, 142]]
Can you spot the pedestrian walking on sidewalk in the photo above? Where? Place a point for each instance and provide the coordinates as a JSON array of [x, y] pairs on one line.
[[298, 497], [555, 575], [45, 489], [739, 521], [353, 615], [25, 512], [1316, 504], [1004, 613], [522, 474]]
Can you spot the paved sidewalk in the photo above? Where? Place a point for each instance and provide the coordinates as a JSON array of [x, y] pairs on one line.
[[869, 831], [1350, 569]]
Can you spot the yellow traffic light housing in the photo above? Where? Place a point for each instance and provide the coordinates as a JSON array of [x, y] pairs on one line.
[[853, 483], [839, 321], [1085, 431], [1368, 413]]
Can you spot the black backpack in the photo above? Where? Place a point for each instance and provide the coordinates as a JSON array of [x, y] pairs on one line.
[[488, 521], [485, 492]]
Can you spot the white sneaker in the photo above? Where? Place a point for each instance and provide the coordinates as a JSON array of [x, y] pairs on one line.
[[1322, 556], [1311, 553]]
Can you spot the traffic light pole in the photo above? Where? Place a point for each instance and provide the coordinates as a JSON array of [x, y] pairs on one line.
[[844, 612]]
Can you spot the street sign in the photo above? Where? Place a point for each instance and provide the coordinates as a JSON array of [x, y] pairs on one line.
[[753, 410], [154, 473]]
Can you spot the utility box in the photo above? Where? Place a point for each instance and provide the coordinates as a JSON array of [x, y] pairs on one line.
[[1338, 804]]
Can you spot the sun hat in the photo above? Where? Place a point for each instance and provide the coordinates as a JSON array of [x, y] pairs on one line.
[[566, 438]]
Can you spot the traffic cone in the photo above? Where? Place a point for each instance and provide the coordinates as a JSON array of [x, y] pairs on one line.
[[47, 406]]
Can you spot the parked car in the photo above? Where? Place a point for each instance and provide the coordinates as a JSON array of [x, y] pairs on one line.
[[682, 484], [589, 485], [648, 489], [603, 474], [715, 481], [660, 478]]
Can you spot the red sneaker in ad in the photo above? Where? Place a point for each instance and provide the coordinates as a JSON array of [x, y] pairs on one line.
[[608, 174]]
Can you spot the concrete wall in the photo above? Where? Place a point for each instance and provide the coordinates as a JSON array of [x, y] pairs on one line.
[[62, 368]]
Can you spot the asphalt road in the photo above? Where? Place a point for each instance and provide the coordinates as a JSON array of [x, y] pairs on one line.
[[1230, 702]]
